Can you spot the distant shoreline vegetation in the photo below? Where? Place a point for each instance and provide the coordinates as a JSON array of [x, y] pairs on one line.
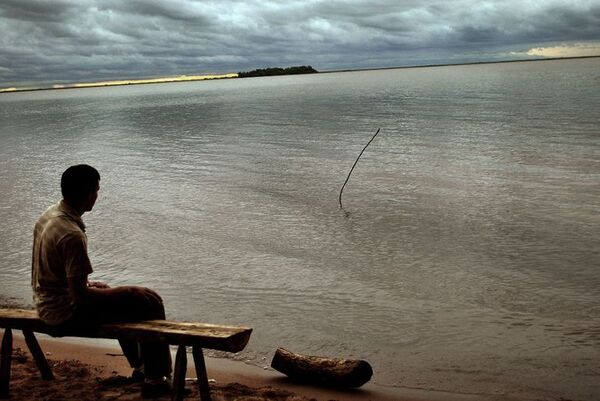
[[268, 72]]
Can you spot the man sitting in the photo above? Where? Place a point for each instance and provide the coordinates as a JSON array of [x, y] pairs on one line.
[[65, 298]]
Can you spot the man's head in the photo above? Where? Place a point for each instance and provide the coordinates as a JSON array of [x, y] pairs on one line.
[[79, 185]]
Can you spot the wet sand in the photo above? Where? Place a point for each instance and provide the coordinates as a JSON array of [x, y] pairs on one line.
[[96, 371]]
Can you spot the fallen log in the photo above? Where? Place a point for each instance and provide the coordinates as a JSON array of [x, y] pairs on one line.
[[334, 372]]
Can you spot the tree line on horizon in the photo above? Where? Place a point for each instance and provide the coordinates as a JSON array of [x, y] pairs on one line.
[[265, 72]]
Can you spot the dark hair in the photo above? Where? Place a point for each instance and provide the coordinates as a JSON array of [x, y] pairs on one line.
[[77, 182]]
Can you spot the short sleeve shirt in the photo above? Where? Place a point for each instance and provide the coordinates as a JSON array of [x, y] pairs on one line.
[[59, 252]]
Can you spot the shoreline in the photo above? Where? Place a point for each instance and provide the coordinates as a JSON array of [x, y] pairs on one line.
[[226, 375]]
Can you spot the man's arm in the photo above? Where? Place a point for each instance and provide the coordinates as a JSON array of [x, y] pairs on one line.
[[83, 293], [78, 267], [80, 290]]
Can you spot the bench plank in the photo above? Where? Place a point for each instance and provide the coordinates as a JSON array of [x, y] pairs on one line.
[[197, 335], [218, 337]]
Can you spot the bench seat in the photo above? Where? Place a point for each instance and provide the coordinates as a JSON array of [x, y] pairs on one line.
[[182, 334]]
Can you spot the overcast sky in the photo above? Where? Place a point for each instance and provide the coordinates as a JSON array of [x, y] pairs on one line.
[[89, 40]]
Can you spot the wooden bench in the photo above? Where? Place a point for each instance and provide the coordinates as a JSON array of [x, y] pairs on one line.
[[182, 334]]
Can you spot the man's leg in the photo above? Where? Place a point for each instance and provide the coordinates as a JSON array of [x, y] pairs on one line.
[[156, 355], [131, 306], [94, 314], [136, 306], [131, 350]]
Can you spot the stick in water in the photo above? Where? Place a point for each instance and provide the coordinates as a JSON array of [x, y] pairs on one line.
[[352, 169]]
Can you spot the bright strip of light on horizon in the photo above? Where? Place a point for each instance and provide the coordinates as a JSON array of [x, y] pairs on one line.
[[574, 50]]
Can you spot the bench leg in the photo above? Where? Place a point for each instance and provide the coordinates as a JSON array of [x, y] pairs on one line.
[[5, 360], [179, 374], [201, 373], [38, 355]]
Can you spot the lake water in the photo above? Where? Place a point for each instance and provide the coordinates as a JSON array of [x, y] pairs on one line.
[[469, 260]]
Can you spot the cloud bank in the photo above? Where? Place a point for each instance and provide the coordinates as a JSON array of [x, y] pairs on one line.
[[89, 40]]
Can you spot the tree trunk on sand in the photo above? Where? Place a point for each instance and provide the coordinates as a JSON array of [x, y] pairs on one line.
[[334, 372]]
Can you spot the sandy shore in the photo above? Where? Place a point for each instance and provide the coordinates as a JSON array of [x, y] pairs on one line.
[[91, 371]]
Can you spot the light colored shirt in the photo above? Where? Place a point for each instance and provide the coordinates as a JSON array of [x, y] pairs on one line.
[[59, 252]]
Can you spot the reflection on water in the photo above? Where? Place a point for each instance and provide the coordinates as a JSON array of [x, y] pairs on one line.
[[470, 256]]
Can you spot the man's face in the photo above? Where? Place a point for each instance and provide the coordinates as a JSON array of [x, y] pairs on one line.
[[91, 200]]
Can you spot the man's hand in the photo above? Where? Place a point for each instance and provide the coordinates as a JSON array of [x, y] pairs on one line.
[[97, 284]]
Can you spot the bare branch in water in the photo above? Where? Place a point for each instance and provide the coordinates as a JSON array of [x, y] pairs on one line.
[[352, 169]]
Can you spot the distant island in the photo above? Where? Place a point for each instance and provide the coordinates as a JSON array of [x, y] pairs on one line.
[[267, 72]]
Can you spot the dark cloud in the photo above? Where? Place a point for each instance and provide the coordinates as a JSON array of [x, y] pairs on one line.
[[36, 11], [175, 10], [75, 40]]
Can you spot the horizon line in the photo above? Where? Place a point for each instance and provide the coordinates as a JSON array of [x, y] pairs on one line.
[[186, 78], [459, 64]]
